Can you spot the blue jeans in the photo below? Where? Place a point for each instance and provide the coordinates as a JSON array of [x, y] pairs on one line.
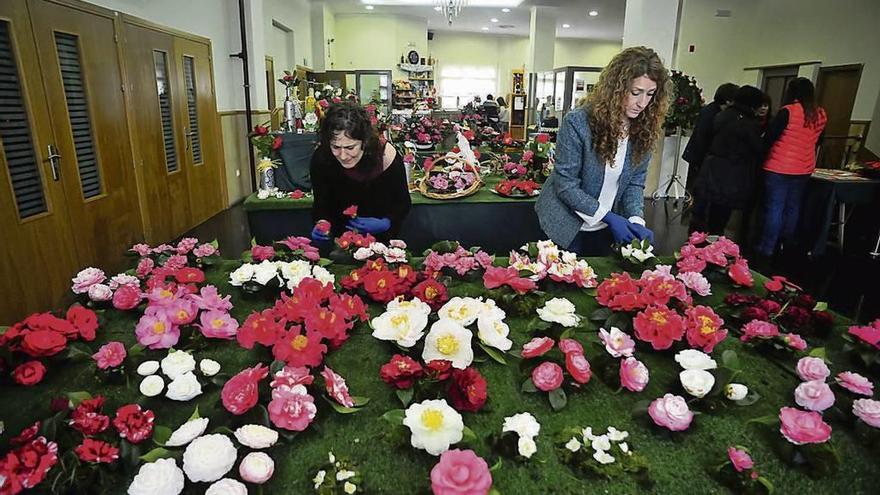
[[783, 195]]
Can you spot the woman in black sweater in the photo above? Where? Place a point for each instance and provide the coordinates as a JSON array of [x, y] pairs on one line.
[[353, 166]]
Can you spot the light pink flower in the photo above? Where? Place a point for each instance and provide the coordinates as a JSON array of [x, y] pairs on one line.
[[617, 343], [759, 329], [204, 250], [547, 376], [87, 278], [568, 346], [634, 374], [110, 355], [142, 249], [218, 325], [855, 383], [181, 311], [175, 262], [186, 245], [256, 467], [208, 298], [163, 248], [124, 279], [697, 238], [814, 395], [671, 411], [292, 408], [460, 472], [483, 259], [794, 341], [156, 331], [740, 459], [696, 282], [336, 387], [691, 264], [811, 368], [290, 376], [397, 243], [801, 427], [868, 410], [100, 293]]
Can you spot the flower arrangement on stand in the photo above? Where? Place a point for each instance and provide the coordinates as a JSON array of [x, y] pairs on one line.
[[687, 100], [535, 163]]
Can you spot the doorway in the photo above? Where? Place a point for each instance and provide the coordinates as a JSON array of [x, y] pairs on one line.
[[775, 81], [836, 92]]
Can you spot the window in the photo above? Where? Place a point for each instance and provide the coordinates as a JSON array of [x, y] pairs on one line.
[[460, 83]]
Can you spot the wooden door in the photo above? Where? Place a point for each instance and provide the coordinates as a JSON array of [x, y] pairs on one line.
[[197, 110], [151, 75], [83, 83], [37, 252], [836, 93]]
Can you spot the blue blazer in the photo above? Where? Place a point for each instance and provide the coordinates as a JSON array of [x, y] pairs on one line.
[[576, 182]]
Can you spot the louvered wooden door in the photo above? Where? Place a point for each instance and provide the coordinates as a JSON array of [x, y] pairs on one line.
[[83, 83], [202, 157], [38, 254]]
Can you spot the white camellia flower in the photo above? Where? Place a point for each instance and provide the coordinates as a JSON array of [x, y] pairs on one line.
[[491, 310], [187, 432], [524, 424], [148, 368], [209, 367], [402, 326], [434, 425], [616, 435], [363, 253], [624, 448], [319, 478], [256, 436], [152, 386], [227, 486], [559, 310], [322, 275], [209, 458], [177, 363], [736, 391], [185, 387], [262, 194], [461, 310], [241, 275], [588, 434], [294, 272], [526, 447], [493, 332], [349, 487], [697, 382], [603, 457], [100, 293], [449, 341], [413, 305], [265, 272], [573, 445], [345, 474], [256, 467], [159, 477], [692, 359], [395, 255], [378, 248], [602, 442]]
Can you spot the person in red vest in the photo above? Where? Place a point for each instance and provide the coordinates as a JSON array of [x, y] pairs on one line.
[[791, 138]]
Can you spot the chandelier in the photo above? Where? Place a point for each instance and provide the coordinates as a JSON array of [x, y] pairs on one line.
[[451, 8]]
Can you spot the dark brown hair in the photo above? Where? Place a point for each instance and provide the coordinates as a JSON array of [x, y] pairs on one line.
[[353, 121]]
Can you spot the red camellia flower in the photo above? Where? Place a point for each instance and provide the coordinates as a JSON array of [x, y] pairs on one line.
[[351, 211], [84, 320], [381, 285], [297, 194], [26, 466], [260, 130], [775, 284], [578, 367], [660, 326], [619, 292], [87, 419], [704, 328], [241, 392], [26, 434], [133, 423], [189, 275], [299, 348], [740, 274], [755, 313], [96, 451], [43, 343], [259, 327], [323, 226], [431, 292], [29, 373], [538, 346], [570, 346], [467, 390], [867, 334], [401, 372], [327, 323], [127, 297], [542, 138], [51, 323], [439, 369], [349, 307], [276, 144], [496, 276]]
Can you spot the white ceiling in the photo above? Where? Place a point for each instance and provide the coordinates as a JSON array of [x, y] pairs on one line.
[[608, 25]]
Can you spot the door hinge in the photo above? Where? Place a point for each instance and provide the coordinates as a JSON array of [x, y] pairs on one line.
[[122, 87], [115, 38]]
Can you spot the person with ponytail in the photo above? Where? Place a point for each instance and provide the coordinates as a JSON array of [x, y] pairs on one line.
[[595, 195]]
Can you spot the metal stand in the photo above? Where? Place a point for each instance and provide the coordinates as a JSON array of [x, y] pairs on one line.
[[876, 252], [674, 182]]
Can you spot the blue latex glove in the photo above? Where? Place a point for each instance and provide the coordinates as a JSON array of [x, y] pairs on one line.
[[319, 236], [642, 232], [370, 225], [621, 228]]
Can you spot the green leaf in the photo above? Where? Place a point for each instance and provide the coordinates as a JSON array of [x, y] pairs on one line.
[[156, 454], [730, 359], [325, 262], [558, 400], [820, 306], [161, 434], [494, 491], [195, 414], [496, 466], [215, 244], [468, 435], [764, 420], [601, 314], [394, 416], [77, 397], [342, 409], [529, 387], [537, 324], [818, 352], [276, 366], [620, 320], [767, 484], [360, 401], [78, 352], [493, 353], [253, 241], [404, 395], [135, 350]]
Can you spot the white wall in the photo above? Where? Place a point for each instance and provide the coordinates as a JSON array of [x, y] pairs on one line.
[[366, 41], [589, 53], [652, 23], [296, 16]]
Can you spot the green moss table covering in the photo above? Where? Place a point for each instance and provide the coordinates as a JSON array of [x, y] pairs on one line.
[[387, 464]]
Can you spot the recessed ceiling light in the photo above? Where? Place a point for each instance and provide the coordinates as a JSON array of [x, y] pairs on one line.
[[369, 7], [493, 19], [505, 10], [438, 8], [566, 26], [484, 28], [594, 13]]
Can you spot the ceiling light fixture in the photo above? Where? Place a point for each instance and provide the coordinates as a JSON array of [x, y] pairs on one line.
[[566, 26], [594, 13], [484, 28], [505, 10], [493, 19], [438, 8], [451, 8], [369, 7]]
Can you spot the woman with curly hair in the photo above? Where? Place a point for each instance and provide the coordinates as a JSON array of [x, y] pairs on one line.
[[595, 196]]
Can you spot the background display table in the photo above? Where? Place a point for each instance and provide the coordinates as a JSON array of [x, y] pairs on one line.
[[827, 190]]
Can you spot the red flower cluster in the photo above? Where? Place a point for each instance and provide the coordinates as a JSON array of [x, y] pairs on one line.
[[620, 292], [704, 328], [466, 389], [96, 451], [659, 326], [432, 292], [497, 276], [88, 419], [133, 423], [699, 252], [517, 188], [26, 466], [379, 281], [401, 372], [349, 240]]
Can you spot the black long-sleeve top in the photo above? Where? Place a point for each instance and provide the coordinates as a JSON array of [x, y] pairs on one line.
[[382, 194]]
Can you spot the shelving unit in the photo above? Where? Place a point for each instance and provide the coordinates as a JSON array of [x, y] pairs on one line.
[[421, 80]]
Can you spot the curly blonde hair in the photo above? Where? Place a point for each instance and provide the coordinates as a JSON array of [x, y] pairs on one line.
[[606, 103]]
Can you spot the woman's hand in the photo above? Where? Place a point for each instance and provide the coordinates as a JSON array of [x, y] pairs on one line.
[[621, 228], [642, 232], [370, 225]]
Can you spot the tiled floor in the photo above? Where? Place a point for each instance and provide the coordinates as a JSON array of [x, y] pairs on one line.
[[848, 281]]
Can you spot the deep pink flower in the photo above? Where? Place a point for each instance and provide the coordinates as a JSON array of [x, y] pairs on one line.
[[336, 387], [241, 392], [855, 383], [110, 355], [868, 334], [759, 329], [794, 341], [181, 311], [578, 367], [209, 298], [260, 253], [740, 274], [801, 427], [155, 331], [460, 472], [547, 376], [740, 459], [672, 412], [634, 374], [291, 376]]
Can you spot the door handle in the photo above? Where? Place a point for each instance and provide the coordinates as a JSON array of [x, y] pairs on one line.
[[187, 134], [53, 158]]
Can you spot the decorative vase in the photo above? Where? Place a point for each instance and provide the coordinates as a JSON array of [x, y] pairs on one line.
[[267, 179]]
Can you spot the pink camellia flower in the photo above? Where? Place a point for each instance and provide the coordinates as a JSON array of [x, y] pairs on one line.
[[578, 367], [460, 472], [260, 253], [691, 264], [697, 238], [100, 293], [696, 282], [181, 311], [208, 298], [537, 347], [241, 392], [740, 459], [87, 278], [351, 211], [155, 331], [617, 343], [141, 249], [336, 387], [145, 267], [671, 411], [867, 334], [547, 376], [256, 467], [759, 329], [855, 383], [802, 427], [122, 279], [397, 243], [811, 368], [634, 374], [110, 355], [868, 410], [794, 341], [204, 250], [175, 262], [291, 375], [186, 245], [568, 346], [292, 408], [218, 325], [740, 274], [127, 297], [814, 395]]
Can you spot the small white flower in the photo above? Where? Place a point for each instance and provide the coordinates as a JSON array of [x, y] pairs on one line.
[[573, 445], [692, 359], [603, 457], [147, 368], [209, 458], [626, 250], [242, 274], [697, 382], [322, 275], [227, 486], [331, 457], [434, 425], [294, 272], [736, 391], [319, 478], [462, 310], [177, 363], [265, 272], [362, 254], [349, 487], [616, 435], [345, 474], [449, 341], [643, 255], [559, 310], [152, 386], [624, 448], [256, 436], [602, 442], [588, 434], [262, 194], [209, 367], [524, 424], [395, 255], [187, 432], [526, 447], [185, 387], [162, 476], [413, 305]]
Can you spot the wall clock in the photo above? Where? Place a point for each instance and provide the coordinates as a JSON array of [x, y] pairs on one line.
[[412, 57]]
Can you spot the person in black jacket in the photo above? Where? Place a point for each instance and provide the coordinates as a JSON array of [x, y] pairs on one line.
[[727, 179], [353, 166]]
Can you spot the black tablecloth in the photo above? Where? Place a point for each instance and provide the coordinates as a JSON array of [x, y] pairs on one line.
[[820, 199], [296, 155]]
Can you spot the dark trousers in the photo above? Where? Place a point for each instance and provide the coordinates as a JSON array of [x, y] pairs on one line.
[[717, 219], [783, 195], [596, 243]]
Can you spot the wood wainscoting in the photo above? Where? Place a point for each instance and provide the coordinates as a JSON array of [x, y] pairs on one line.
[[236, 147]]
